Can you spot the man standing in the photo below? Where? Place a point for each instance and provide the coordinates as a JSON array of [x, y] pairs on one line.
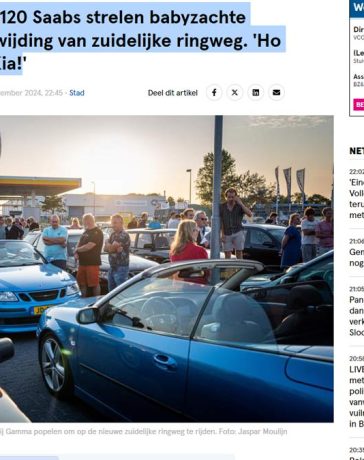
[[117, 246], [231, 215], [55, 240], [325, 231], [13, 231], [143, 223], [309, 242], [203, 229], [88, 253]]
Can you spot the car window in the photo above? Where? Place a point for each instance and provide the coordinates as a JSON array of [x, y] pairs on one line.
[[17, 254], [144, 238], [278, 233], [158, 305], [132, 239], [296, 314], [71, 244], [40, 245], [259, 237]]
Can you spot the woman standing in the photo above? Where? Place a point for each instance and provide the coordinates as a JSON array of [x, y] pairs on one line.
[[184, 246], [291, 243]]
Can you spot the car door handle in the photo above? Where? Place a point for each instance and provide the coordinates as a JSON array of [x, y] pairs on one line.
[[165, 362]]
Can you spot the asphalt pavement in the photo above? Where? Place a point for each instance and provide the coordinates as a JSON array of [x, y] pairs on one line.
[[21, 378]]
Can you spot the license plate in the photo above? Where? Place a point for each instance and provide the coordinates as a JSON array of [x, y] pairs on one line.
[[40, 310]]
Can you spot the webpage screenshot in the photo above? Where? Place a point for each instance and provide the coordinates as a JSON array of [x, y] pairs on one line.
[[170, 173]]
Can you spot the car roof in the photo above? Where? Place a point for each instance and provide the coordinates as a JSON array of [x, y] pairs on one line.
[[266, 226]]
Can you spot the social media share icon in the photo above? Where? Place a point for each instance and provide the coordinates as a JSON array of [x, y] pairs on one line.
[[256, 92], [234, 92], [214, 92], [276, 92]]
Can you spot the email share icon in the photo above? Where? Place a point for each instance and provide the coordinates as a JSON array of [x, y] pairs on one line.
[[276, 92]]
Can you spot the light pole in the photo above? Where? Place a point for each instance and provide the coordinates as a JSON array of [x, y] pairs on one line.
[[190, 171], [94, 184]]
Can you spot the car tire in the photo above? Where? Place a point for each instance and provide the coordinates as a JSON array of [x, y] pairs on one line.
[[56, 372]]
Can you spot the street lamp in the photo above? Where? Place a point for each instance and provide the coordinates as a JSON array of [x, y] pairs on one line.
[[94, 184], [190, 171]]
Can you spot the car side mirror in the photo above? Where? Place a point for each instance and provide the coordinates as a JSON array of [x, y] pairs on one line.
[[6, 349], [87, 315], [148, 246]]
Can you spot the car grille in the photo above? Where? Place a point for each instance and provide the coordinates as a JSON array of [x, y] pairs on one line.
[[42, 296]]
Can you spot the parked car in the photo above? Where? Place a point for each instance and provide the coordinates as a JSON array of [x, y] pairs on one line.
[[9, 411], [180, 342], [320, 268], [152, 244], [28, 286], [136, 265], [262, 243]]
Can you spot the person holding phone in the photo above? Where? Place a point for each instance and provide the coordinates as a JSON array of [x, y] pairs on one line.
[[231, 214]]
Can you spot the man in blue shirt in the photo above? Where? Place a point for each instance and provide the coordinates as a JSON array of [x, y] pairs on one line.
[[55, 240]]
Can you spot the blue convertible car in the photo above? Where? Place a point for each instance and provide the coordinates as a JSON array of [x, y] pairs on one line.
[[28, 286], [180, 342]]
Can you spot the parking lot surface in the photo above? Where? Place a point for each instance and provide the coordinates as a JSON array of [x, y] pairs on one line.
[[21, 378]]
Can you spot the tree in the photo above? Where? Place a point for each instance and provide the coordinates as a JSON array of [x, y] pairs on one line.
[[296, 198], [316, 198], [204, 182], [53, 203], [251, 187]]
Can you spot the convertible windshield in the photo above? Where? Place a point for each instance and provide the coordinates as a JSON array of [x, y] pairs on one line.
[[18, 253]]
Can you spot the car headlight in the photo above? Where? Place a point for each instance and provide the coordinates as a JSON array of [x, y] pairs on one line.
[[8, 297], [72, 289]]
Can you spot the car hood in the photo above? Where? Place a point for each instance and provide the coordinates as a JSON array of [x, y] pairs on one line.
[[33, 277]]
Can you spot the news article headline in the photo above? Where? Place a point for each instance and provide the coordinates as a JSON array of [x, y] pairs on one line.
[[130, 27]]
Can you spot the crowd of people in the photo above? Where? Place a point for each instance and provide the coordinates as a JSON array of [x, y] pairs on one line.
[[192, 238], [15, 228]]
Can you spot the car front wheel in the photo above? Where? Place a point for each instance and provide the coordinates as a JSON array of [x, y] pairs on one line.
[[54, 366]]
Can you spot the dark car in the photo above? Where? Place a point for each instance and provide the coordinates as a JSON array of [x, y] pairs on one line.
[[180, 342], [9, 411], [320, 268], [263, 243], [136, 265]]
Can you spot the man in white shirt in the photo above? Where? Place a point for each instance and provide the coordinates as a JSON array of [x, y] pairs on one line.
[[309, 240], [201, 221]]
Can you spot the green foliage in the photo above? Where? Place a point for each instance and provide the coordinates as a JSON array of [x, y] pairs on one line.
[[251, 187], [53, 203], [316, 198]]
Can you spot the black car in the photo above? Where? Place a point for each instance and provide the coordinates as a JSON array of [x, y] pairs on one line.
[[263, 243]]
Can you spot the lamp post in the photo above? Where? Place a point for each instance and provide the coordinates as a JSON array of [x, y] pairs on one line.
[[190, 171], [94, 184]]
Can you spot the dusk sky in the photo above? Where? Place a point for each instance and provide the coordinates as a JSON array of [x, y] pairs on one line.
[[151, 153]]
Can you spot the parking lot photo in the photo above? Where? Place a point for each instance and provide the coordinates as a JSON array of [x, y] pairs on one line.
[[147, 275]]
